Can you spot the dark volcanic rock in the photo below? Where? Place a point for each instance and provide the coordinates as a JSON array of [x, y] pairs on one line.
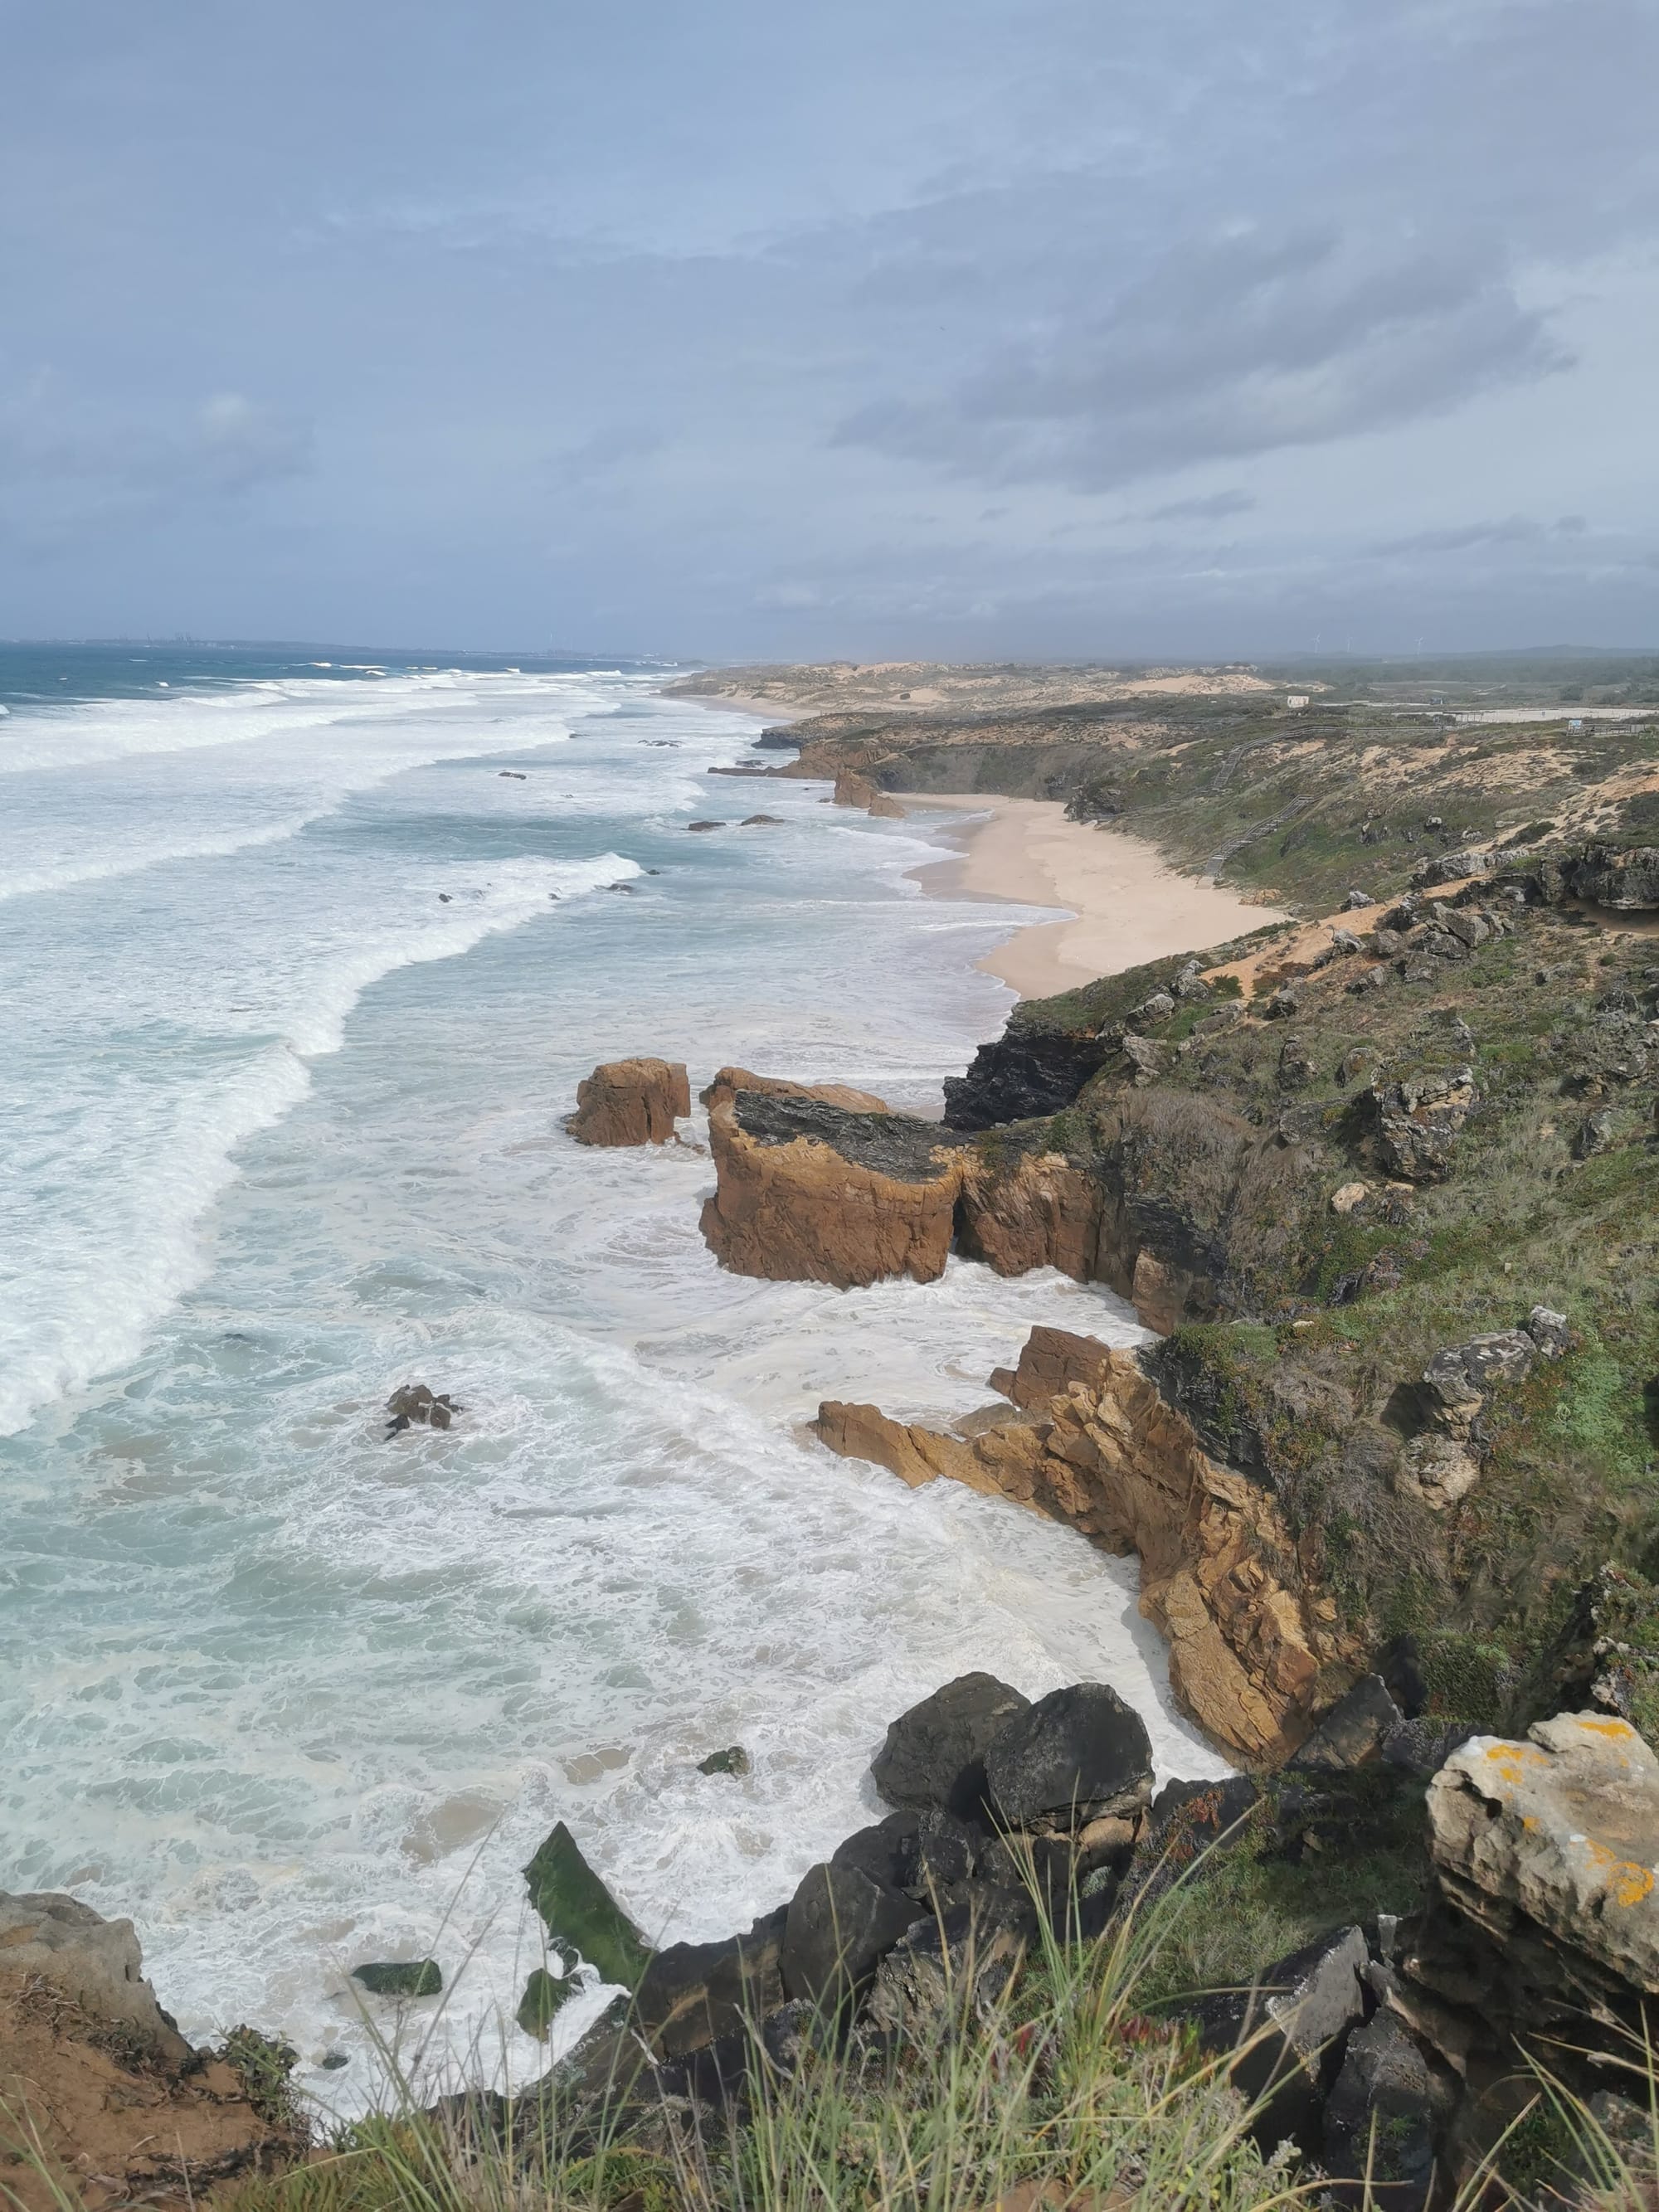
[[840, 1924], [934, 1753], [1074, 1756], [1379, 2120], [691, 1994], [923, 1854], [1288, 2031], [1020, 1075], [1355, 1728]]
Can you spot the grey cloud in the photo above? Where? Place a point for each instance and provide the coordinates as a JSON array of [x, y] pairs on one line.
[[1216, 508], [1233, 346], [64, 472], [1515, 531]]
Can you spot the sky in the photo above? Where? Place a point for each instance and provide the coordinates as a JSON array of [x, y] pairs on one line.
[[883, 329]]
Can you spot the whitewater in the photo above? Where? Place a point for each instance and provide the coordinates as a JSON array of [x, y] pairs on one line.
[[302, 965]]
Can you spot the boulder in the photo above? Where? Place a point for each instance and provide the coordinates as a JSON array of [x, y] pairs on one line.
[[1354, 1729], [922, 1853], [1073, 1757], [1562, 1829], [579, 1913], [1594, 1134], [733, 1760], [949, 1967], [808, 1192], [1417, 1121], [934, 1753], [630, 1102], [400, 1978], [1551, 1332], [95, 1963], [1379, 2120], [544, 1996], [1287, 2030], [413, 1405], [840, 1924], [691, 1994]]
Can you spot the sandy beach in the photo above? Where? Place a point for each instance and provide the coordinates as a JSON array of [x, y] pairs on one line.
[[1127, 904]]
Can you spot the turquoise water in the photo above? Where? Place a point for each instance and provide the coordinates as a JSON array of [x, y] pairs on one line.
[[298, 987]]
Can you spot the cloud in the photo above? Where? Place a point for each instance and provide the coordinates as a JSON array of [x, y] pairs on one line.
[[1515, 529], [1215, 508], [1233, 345], [65, 471]]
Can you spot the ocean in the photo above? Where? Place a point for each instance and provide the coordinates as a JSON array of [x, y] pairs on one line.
[[304, 955]]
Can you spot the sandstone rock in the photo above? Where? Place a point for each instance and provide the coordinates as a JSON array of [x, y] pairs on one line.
[[1111, 1458], [1287, 2030], [859, 791], [934, 1753], [1158, 1007], [413, 1405], [839, 1927], [1147, 1058], [630, 1102], [1563, 1829], [1051, 1360], [579, 1913], [807, 1192], [1349, 1197], [1551, 1332], [1295, 1067], [1355, 900], [95, 1963], [948, 1967], [926, 1853], [1075, 1756], [1157, 1292], [1042, 1212], [729, 1080]]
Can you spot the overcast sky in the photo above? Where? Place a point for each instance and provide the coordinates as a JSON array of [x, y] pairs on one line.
[[883, 327]]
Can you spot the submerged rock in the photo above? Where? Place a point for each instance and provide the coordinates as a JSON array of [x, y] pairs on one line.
[[630, 1102], [400, 1978], [734, 1760], [413, 1405], [579, 1912]]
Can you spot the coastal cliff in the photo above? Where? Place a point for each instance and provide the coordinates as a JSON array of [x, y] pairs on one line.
[[1254, 1652]]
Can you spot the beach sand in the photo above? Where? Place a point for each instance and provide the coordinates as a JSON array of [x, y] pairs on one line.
[[1127, 903]]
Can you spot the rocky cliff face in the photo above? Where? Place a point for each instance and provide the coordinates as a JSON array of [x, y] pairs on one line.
[[807, 1191], [95, 2075], [1254, 1649]]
